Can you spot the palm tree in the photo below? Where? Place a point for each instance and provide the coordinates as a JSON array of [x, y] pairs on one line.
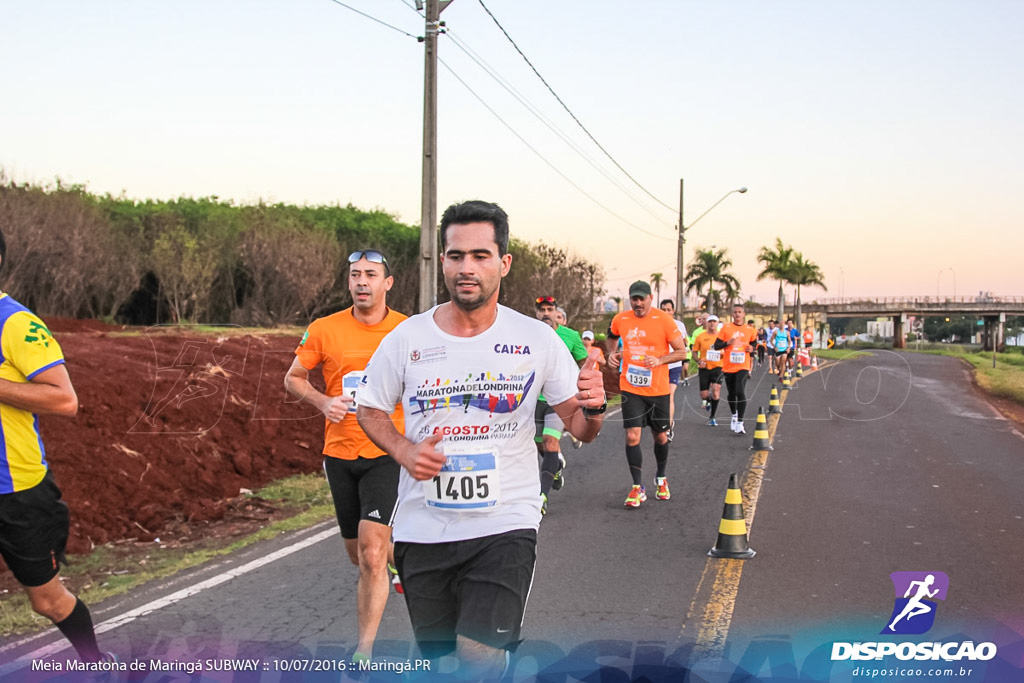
[[777, 266], [804, 273], [657, 280], [709, 269]]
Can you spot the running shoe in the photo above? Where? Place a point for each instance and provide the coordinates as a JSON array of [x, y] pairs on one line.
[[662, 493], [543, 503], [686, 381], [707, 406], [395, 581], [712, 423], [740, 429], [637, 495], [671, 433], [735, 421]]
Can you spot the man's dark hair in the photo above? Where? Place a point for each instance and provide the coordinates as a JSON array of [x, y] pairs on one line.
[[476, 211], [3, 250], [667, 301]]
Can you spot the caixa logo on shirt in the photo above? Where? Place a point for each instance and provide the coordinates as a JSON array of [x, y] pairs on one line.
[[514, 349]]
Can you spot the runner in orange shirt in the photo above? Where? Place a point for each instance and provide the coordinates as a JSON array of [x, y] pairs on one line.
[[362, 477], [710, 363], [737, 342], [651, 341]]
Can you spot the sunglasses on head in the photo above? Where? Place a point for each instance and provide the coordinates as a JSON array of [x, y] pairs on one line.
[[370, 255], [545, 300]]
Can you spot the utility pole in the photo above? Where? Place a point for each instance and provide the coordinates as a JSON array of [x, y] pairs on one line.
[[428, 205], [680, 275]]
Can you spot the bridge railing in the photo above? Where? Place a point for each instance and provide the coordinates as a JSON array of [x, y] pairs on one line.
[[920, 300]]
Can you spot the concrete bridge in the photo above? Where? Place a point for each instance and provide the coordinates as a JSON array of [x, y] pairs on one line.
[[991, 309]]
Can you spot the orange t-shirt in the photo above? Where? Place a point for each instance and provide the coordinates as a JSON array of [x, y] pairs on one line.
[[641, 337], [736, 355], [342, 346], [705, 345]]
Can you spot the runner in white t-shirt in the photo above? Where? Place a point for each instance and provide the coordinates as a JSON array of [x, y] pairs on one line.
[[468, 373]]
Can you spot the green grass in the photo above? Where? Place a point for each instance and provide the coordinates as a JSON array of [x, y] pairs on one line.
[[112, 570]]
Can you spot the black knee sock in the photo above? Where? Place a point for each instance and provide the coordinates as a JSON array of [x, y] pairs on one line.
[[548, 467], [635, 459], [661, 456], [741, 407], [714, 407], [77, 628]]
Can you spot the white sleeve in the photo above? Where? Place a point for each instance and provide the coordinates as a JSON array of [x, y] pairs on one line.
[[384, 378], [562, 373]]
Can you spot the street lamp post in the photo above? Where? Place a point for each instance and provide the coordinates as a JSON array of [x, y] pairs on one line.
[[680, 260]]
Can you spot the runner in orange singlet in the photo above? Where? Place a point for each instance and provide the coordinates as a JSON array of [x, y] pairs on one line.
[[737, 341]]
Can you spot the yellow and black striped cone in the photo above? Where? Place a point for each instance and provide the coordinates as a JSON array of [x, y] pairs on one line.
[[786, 384], [732, 532], [799, 372], [773, 402], [762, 442]]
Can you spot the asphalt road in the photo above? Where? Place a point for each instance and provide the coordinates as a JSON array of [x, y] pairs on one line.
[[881, 464]]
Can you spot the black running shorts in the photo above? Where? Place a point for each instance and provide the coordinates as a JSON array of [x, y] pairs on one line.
[[33, 532], [475, 588], [645, 411], [709, 376], [364, 488]]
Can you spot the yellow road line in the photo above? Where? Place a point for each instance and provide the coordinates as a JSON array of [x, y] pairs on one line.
[[719, 583]]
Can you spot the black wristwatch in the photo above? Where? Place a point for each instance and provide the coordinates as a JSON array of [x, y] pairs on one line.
[[589, 412]]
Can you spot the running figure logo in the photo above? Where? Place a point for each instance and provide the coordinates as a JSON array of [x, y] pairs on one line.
[[914, 608]]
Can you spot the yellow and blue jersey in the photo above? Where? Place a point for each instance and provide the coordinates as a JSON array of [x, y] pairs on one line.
[[26, 349]]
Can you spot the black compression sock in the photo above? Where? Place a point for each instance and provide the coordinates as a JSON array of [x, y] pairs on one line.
[[78, 629], [635, 459], [661, 456]]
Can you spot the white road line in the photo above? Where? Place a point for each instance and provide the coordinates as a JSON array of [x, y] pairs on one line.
[[132, 615]]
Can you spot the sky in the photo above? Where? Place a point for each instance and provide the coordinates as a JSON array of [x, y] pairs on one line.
[[884, 140]]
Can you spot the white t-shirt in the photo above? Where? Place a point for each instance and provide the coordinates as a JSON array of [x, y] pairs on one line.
[[682, 331], [481, 393]]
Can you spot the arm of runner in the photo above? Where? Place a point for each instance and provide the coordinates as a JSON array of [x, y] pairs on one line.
[[422, 460], [47, 393], [678, 352], [614, 357], [296, 383], [590, 394]]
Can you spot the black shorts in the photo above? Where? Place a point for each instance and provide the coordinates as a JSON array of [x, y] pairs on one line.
[[476, 588], [708, 376], [34, 527], [645, 411], [546, 422], [789, 354], [364, 488]]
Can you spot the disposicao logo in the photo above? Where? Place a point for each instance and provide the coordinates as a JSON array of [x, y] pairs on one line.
[[914, 609], [913, 613]]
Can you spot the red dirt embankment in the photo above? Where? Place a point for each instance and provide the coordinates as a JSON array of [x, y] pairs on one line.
[[171, 425]]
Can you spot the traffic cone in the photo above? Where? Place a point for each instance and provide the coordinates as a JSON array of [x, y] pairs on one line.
[[799, 371], [773, 402], [732, 532], [814, 362], [762, 442], [786, 384]]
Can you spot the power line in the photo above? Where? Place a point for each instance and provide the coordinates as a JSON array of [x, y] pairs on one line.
[[542, 158], [564, 106], [503, 82], [382, 23]]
